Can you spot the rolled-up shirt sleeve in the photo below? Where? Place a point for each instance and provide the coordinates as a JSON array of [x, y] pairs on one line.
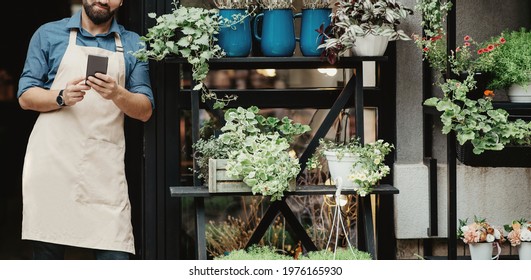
[[36, 66], [139, 81]]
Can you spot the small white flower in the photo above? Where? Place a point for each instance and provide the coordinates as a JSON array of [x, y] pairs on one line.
[[525, 234], [497, 234], [490, 238], [464, 228]]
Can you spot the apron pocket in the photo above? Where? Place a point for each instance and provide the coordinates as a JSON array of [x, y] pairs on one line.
[[102, 174]]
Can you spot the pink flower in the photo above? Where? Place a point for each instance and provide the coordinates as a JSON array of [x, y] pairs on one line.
[[467, 44], [490, 47], [514, 237], [467, 38], [480, 51], [502, 40]]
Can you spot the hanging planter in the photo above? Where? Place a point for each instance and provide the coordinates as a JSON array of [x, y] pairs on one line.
[[341, 167]]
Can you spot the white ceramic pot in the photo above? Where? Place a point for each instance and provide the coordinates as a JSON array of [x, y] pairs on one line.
[[481, 251], [520, 94], [524, 251], [341, 168], [370, 45]]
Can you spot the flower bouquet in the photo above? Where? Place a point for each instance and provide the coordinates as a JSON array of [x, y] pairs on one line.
[[520, 235], [481, 236]]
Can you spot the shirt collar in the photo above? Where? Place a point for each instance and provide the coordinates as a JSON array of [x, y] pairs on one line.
[[75, 22]]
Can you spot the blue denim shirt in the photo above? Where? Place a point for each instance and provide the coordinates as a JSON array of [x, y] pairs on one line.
[[48, 45]]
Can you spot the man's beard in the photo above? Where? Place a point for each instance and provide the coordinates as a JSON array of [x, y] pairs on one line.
[[98, 16]]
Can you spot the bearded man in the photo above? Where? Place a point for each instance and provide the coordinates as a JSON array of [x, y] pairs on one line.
[[74, 186]]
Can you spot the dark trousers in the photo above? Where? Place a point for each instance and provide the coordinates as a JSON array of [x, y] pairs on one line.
[[51, 251]]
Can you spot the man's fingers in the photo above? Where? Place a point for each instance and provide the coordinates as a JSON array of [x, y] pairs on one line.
[[76, 81]]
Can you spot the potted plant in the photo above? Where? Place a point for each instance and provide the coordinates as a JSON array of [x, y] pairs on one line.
[[256, 149], [364, 25], [269, 253], [352, 164], [512, 67], [277, 36], [481, 237], [235, 38], [190, 33], [474, 120], [519, 234], [315, 17]]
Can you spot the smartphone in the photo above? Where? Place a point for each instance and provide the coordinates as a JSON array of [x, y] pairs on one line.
[[96, 64]]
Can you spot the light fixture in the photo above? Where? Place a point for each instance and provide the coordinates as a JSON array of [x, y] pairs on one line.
[[267, 72], [328, 71]]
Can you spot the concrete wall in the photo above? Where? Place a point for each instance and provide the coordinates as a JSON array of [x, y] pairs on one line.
[[500, 194]]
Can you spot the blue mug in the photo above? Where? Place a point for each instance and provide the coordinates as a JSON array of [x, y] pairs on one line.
[[312, 19], [235, 39], [278, 32]]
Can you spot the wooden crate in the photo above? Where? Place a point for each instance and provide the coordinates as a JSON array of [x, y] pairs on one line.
[[219, 182]]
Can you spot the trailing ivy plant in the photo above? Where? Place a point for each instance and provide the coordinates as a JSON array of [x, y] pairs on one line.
[[256, 148], [190, 33]]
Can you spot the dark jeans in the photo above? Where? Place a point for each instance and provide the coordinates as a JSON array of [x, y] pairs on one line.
[[51, 251]]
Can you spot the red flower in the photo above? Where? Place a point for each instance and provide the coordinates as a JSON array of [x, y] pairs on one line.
[[490, 47], [467, 38], [467, 44], [502, 40], [433, 39], [457, 49], [480, 51], [485, 50], [426, 49]]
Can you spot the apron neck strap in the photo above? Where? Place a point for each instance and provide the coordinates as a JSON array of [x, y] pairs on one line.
[[117, 40]]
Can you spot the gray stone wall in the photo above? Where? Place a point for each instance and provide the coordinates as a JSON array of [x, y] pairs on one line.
[[500, 194]]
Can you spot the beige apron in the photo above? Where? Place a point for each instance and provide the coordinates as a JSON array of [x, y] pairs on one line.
[[74, 186]]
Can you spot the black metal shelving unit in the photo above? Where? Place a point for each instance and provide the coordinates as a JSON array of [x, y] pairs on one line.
[[334, 99]]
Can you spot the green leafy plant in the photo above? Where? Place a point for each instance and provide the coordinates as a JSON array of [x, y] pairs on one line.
[[477, 120], [256, 148], [190, 33], [512, 60], [255, 253], [472, 120], [339, 254], [367, 170], [359, 18], [269, 253]]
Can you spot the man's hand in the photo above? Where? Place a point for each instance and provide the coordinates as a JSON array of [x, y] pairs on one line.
[[105, 85], [75, 91]]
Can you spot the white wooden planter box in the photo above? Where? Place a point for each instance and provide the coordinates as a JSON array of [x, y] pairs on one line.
[[219, 182]]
